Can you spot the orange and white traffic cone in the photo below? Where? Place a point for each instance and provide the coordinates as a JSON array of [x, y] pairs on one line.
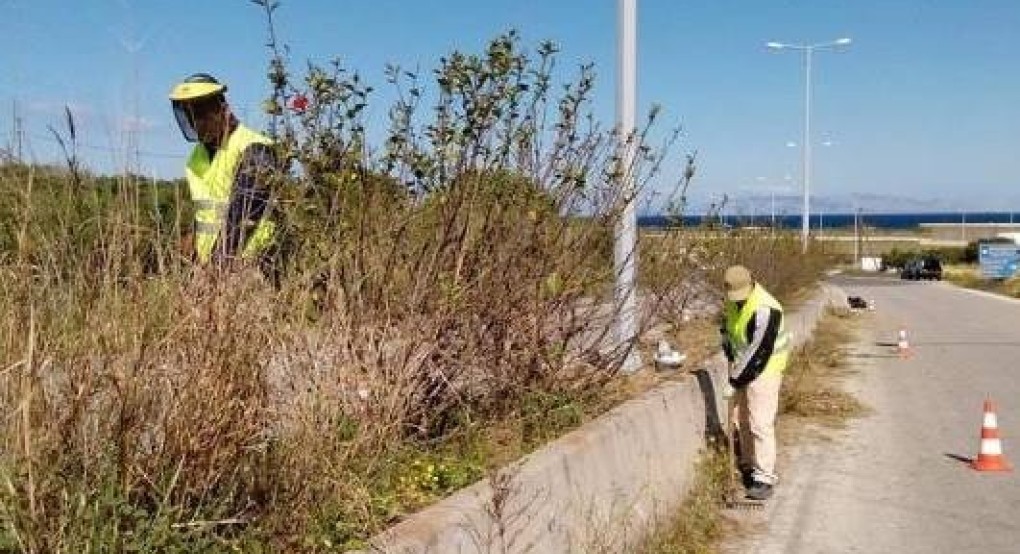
[[903, 346], [990, 457]]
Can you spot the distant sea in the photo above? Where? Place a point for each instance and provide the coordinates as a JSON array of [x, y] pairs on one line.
[[835, 221]]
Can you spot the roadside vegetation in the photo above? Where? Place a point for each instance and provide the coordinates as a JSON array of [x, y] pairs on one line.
[[960, 267], [812, 390], [699, 525], [439, 311], [969, 276], [948, 255]]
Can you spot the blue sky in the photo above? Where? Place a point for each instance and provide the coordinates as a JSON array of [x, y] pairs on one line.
[[922, 110]]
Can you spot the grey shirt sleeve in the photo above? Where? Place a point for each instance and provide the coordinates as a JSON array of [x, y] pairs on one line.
[[763, 330]]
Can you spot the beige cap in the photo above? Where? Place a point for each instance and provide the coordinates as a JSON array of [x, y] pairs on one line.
[[738, 283]]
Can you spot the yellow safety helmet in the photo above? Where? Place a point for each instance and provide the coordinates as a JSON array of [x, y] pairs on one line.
[[195, 89]]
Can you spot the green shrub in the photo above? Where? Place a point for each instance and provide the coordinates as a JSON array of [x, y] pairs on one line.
[[450, 278], [432, 284]]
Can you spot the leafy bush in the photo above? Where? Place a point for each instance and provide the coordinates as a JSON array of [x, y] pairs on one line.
[[450, 277], [897, 258], [453, 278]]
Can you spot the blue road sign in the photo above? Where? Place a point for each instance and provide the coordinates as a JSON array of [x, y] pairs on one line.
[[999, 261]]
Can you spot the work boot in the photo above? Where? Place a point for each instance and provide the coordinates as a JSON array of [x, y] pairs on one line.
[[747, 477], [759, 491]]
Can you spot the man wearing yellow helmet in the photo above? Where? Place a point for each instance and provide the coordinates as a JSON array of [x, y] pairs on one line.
[[227, 174]]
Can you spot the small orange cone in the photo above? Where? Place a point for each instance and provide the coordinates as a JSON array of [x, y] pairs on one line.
[[903, 346], [990, 457]]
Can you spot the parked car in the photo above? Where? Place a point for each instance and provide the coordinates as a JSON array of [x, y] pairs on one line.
[[928, 267]]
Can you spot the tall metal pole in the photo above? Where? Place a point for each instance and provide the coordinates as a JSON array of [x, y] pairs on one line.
[[17, 139], [625, 251], [806, 218], [14, 128], [857, 236], [806, 177], [773, 210]]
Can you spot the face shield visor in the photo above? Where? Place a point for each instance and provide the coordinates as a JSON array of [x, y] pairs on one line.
[[190, 114], [184, 120]]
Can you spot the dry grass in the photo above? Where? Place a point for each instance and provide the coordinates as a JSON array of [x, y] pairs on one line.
[[698, 525], [965, 275], [176, 409], [705, 255], [184, 410], [812, 390], [969, 276], [440, 311]]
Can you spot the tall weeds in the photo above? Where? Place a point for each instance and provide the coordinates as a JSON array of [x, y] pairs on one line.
[[447, 277], [451, 276]]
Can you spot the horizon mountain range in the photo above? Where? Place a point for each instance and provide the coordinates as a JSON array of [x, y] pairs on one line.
[[790, 204]]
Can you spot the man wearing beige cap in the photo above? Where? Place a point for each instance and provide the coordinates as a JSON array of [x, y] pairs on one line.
[[757, 347]]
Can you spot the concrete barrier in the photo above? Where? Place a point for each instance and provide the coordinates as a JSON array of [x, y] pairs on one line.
[[599, 488], [801, 322]]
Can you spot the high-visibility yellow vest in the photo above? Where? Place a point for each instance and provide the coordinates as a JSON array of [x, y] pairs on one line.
[[211, 182], [736, 329]]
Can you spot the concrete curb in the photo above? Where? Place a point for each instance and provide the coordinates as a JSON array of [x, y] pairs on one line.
[[598, 488]]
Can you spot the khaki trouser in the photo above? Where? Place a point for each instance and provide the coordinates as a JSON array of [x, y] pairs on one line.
[[757, 405]]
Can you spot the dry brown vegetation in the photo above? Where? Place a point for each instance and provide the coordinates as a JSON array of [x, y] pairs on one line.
[[813, 384], [441, 307], [969, 276], [698, 526]]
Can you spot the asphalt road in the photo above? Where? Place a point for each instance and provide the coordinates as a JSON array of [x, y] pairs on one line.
[[893, 481]]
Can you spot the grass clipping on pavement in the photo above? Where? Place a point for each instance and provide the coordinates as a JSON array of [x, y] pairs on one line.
[[812, 391]]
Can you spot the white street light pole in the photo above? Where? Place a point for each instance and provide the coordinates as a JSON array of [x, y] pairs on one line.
[[805, 226], [857, 235], [772, 190], [625, 247], [808, 50], [773, 210]]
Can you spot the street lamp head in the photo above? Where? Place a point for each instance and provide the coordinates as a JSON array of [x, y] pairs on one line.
[[843, 41], [775, 45]]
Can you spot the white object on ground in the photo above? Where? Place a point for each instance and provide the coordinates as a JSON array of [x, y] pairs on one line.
[[665, 356]]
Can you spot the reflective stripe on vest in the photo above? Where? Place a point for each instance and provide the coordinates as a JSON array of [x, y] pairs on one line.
[[736, 328], [210, 183], [208, 205]]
